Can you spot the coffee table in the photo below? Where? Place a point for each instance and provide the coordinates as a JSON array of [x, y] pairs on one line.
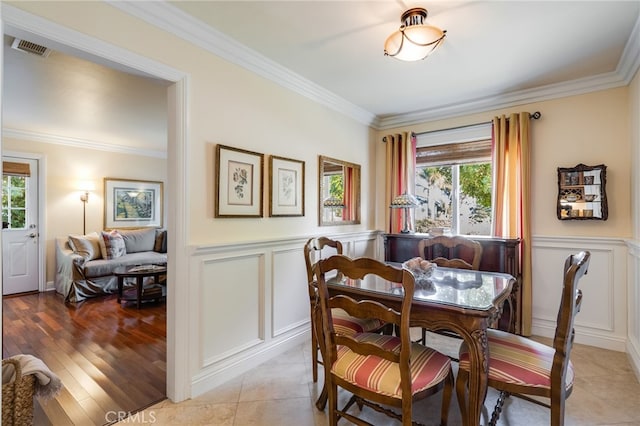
[[140, 272]]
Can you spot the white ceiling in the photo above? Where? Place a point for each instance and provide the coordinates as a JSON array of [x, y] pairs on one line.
[[496, 53]]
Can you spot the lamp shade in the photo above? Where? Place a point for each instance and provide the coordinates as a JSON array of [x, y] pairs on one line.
[[414, 40], [333, 202], [404, 201]]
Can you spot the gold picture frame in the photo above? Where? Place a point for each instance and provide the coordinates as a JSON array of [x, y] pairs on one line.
[[239, 183], [130, 203], [286, 187]]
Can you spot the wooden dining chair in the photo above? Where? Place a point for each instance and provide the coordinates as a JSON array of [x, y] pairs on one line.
[[377, 368], [343, 323], [450, 252], [520, 366]]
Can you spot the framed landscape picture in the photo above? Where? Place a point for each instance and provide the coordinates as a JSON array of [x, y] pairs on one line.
[[286, 187], [132, 203], [238, 182]]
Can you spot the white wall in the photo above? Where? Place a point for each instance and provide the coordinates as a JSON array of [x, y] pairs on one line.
[[633, 270]]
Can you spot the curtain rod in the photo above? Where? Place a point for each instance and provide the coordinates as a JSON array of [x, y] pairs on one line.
[[534, 116]]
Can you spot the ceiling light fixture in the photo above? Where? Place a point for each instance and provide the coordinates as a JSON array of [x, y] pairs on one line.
[[414, 40]]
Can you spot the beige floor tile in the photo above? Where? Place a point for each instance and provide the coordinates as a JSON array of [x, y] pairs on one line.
[[282, 412], [281, 392], [278, 380]]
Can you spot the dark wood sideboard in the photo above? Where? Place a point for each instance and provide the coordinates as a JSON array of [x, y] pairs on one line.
[[498, 255]]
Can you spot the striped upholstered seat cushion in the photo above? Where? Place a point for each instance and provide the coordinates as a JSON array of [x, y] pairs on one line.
[[428, 367], [518, 360], [347, 325]]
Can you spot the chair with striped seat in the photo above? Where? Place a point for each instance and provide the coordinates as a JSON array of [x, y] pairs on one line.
[[519, 366], [343, 323], [377, 369]]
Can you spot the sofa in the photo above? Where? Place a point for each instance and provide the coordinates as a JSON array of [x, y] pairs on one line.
[[85, 263]]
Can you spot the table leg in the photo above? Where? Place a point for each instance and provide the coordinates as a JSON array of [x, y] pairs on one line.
[[120, 283], [139, 281], [478, 375]]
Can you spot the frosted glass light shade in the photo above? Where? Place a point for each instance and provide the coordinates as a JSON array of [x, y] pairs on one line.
[[414, 40]]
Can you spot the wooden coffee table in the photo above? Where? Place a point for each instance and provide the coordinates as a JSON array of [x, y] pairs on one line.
[[140, 272]]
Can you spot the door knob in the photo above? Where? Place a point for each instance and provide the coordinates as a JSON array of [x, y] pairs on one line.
[[32, 235]]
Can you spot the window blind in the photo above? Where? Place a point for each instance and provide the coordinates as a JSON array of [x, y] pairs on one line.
[[16, 169], [454, 153]]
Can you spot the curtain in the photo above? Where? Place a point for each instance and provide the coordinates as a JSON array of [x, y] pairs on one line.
[[348, 212], [400, 172], [511, 155]]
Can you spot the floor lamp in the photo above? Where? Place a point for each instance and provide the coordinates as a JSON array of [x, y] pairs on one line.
[[85, 199], [405, 202], [85, 187]]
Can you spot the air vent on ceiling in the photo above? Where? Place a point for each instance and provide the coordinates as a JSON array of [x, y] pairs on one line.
[[29, 47]]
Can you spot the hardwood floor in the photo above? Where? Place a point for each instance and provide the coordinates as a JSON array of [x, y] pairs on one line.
[[111, 359]]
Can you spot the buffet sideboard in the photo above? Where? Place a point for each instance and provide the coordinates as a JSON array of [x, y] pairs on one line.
[[498, 255]]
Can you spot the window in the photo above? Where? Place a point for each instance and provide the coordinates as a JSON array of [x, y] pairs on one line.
[[453, 180], [15, 183], [14, 206]]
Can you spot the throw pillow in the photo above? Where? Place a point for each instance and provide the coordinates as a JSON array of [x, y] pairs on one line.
[[161, 241], [137, 240], [87, 246], [112, 245]]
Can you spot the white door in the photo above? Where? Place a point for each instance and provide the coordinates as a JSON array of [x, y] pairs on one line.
[[20, 238]]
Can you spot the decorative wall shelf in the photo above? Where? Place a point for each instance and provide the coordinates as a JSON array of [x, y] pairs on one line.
[[581, 193]]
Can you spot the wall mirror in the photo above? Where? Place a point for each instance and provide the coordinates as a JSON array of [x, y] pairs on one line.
[[338, 192], [581, 193]]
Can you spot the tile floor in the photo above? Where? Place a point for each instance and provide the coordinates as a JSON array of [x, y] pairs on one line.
[[281, 392]]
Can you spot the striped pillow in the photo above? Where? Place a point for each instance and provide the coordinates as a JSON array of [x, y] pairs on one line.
[[428, 367], [518, 360]]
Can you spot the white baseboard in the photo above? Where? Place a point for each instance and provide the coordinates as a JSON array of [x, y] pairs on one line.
[[584, 337], [633, 351], [222, 374]]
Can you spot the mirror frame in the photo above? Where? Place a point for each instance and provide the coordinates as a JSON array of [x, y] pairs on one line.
[[573, 182], [322, 160]]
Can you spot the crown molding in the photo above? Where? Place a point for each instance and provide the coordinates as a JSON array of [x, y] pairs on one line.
[[173, 20], [168, 18], [181, 24], [28, 135], [630, 60], [543, 93], [64, 39]]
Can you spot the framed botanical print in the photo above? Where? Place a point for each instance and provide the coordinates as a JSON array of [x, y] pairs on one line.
[[132, 203], [286, 187], [238, 182]]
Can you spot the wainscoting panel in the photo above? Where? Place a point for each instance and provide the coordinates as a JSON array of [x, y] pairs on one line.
[[290, 299], [602, 319], [253, 303], [232, 291], [633, 293], [365, 247]]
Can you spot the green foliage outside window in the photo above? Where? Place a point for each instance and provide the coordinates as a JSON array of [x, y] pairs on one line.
[[14, 201]]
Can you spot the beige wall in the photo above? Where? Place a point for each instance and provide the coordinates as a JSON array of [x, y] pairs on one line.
[[66, 167], [591, 129], [634, 126], [231, 106]]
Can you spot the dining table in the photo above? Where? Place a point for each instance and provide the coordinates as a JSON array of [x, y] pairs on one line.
[[466, 302]]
